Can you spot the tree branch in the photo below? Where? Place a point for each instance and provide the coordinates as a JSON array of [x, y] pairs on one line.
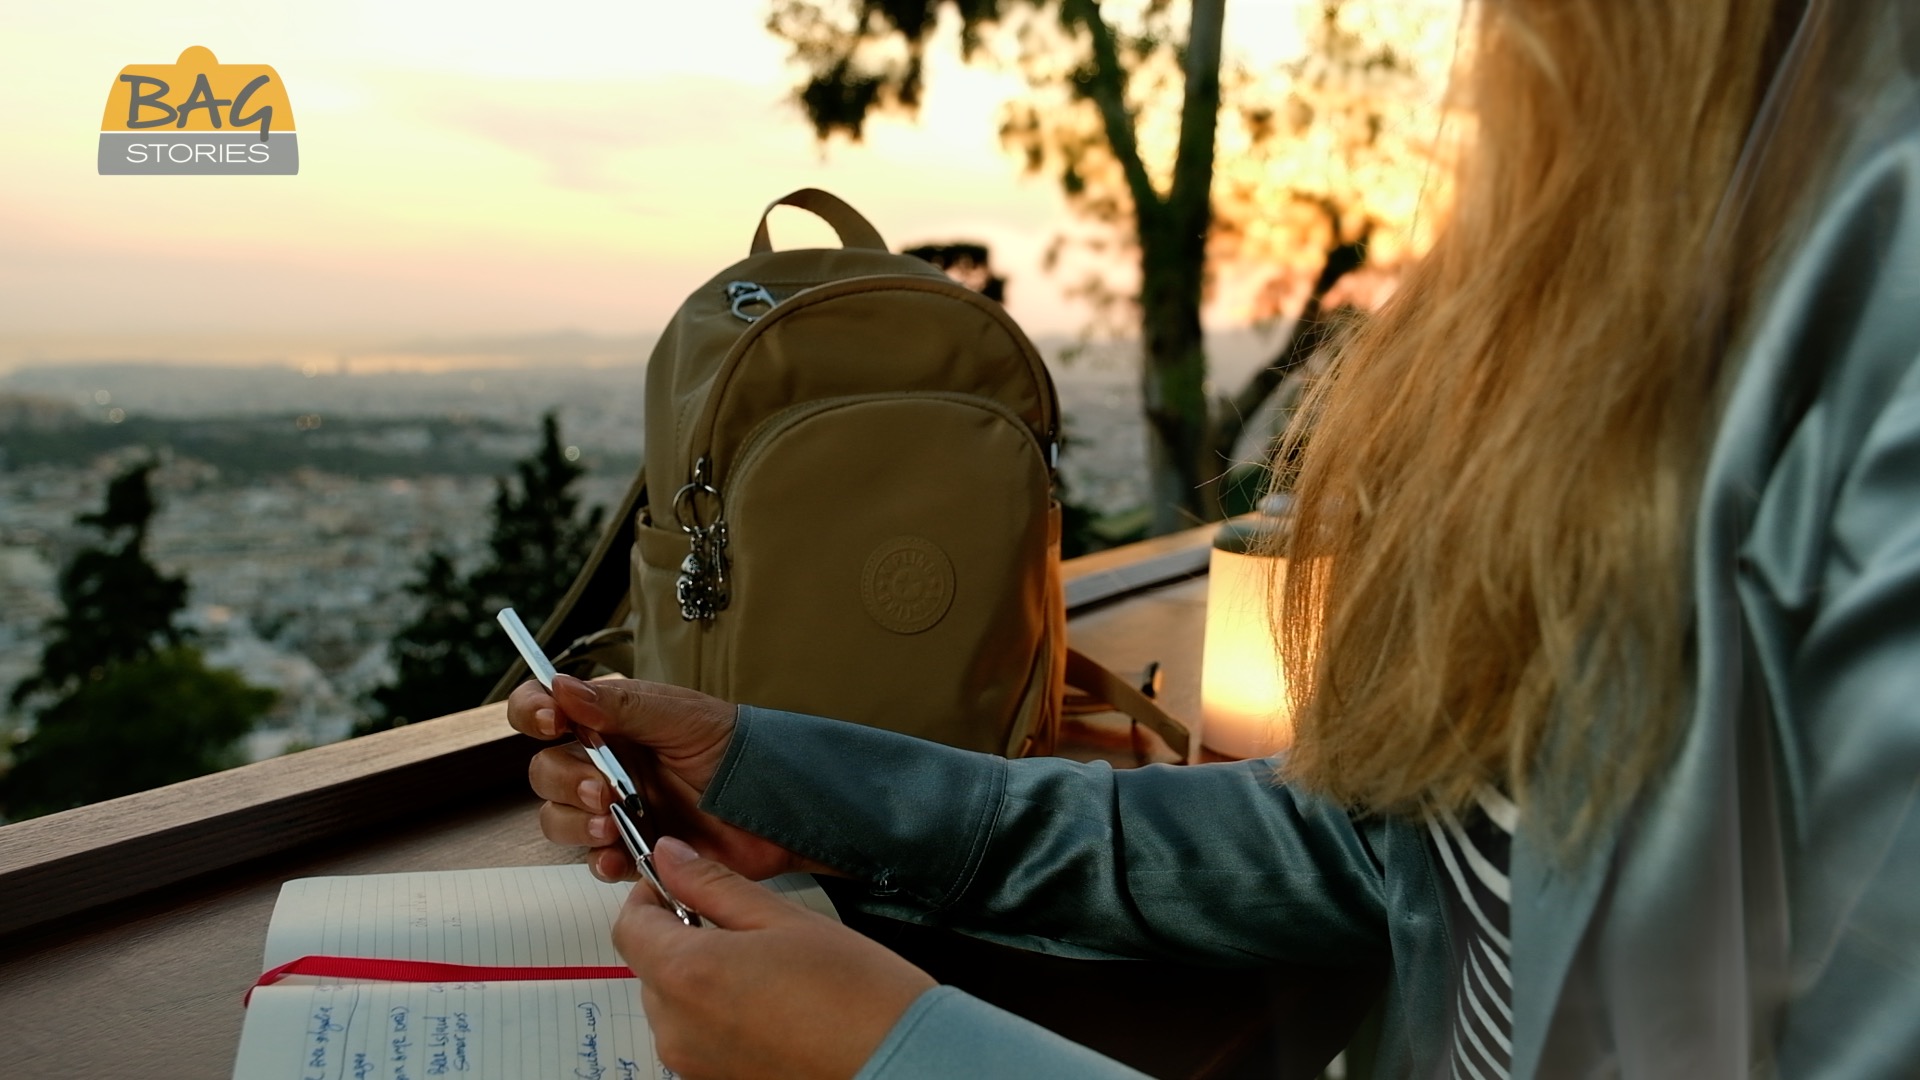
[[1230, 422], [1310, 331], [1107, 87], [1191, 193]]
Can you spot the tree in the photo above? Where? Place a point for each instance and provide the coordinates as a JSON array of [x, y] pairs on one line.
[[122, 702], [968, 262], [449, 656], [115, 606], [1094, 80], [142, 723], [539, 540], [1325, 174]]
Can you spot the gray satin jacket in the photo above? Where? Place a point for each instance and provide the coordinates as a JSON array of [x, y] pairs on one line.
[[1757, 914]]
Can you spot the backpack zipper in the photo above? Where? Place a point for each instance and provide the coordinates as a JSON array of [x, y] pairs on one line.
[[741, 295], [744, 294], [773, 426], [703, 588], [710, 410]]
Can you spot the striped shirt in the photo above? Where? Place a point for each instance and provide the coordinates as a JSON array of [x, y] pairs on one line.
[[1476, 855]]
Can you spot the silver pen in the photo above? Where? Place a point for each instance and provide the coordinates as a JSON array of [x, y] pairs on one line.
[[627, 807]]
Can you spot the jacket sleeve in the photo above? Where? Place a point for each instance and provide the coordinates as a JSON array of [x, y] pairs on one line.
[[1200, 864], [1212, 863], [949, 1034]]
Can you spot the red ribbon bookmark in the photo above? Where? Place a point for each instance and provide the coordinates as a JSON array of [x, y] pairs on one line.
[[429, 971]]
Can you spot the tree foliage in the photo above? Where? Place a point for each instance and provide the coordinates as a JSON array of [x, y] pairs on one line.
[[121, 702], [540, 538], [115, 605], [155, 720], [968, 262], [1125, 109], [453, 651]]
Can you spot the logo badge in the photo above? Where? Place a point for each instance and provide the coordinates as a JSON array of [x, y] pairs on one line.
[[908, 584], [200, 117]]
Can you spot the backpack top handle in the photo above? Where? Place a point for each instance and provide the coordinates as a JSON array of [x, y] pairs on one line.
[[855, 231]]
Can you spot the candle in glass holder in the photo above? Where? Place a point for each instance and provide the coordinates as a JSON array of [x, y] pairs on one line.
[[1243, 694]]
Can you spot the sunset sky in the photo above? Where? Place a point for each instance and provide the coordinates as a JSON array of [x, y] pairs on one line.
[[471, 169]]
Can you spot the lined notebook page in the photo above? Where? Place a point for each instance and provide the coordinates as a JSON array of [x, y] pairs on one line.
[[523, 916], [591, 1029], [309, 1028]]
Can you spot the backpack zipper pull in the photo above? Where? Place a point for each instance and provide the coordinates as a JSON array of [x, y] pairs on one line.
[[742, 294], [702, 587]]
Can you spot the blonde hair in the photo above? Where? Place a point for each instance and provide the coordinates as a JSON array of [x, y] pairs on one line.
[[1490, 573]]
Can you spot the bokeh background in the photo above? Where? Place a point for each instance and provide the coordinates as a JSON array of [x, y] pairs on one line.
[[327, 384]]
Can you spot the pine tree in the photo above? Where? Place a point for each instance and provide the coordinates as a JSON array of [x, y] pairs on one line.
[[451, 654], [537, 545], [121, 702], [439, 657], [115, 605]]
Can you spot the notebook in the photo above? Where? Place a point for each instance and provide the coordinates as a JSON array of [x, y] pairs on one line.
[[308, 1027]]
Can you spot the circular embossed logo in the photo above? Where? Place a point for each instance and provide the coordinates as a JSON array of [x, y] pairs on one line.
[[908, 584]]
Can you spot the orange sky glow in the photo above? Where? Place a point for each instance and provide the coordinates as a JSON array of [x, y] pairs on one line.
[[474, 169]]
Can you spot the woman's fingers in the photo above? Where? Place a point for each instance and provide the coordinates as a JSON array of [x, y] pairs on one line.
[[573, 827], [671, 741], [721, 896], [611, 863], [607, 858], [562, 774], [532, 711], [766, 988], [670, 720], [579, 819]]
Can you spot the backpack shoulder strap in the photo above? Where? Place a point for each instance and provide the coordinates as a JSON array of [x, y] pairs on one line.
[[598, 598], [1089, 675]]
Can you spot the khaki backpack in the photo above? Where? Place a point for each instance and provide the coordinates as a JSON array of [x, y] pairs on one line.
[[846, 503]]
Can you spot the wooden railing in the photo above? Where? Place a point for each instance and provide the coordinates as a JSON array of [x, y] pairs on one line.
[[59, 866]]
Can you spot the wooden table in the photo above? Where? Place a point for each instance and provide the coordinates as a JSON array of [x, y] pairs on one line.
[[129, 930]]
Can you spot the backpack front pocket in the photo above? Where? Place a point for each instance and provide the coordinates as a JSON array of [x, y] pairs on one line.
[[889, 566]]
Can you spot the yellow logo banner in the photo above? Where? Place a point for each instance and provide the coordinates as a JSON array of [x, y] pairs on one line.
[[198, 116]]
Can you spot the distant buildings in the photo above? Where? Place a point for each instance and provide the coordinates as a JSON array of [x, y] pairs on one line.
[[299, 576]]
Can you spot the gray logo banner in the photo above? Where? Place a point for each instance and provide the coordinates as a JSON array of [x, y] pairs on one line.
[[198, 153]]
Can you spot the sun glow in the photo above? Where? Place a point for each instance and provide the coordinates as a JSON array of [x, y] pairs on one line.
[[489, 169]]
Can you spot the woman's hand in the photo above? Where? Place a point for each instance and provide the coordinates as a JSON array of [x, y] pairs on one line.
[[766, 988], [671, 741]]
